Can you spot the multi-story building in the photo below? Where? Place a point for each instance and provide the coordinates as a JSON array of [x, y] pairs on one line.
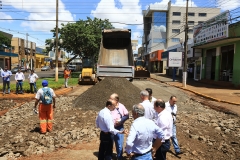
[[26, 51], [7, 55], [164, 26]]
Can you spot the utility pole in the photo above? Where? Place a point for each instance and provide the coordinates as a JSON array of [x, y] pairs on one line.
[[56, 41], [185, 49], [26, 50]]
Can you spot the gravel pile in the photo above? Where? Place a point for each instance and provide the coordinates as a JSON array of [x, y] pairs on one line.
[[96, 97]]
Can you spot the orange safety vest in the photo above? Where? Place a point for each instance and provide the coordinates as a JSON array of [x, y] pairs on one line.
[[67, 73]]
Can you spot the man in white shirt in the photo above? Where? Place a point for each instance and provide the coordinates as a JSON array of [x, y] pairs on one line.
[[32, 78], [151, 98], [104, 121], [139, 141], [165, 122], [19, 78], [149, 110], [172, 108], [6, 74]]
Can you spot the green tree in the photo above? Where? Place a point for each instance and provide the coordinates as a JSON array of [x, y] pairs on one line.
[[82, 38], [5, 41]]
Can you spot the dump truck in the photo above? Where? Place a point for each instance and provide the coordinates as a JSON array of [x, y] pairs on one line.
[[88, 75], [140, 69], [115, 57]]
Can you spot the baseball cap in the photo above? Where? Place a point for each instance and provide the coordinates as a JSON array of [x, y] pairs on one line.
[[44, 83]]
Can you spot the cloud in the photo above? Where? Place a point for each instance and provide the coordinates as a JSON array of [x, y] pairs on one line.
[[164, 3], [228, 4], [119, 12], [5, 16], [46, 10], [161, 28]]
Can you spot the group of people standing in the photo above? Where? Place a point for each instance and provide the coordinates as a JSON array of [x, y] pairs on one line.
[[150, 132], [19, 78]]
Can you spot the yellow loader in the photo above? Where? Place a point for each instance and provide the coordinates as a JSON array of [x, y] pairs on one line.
[[88, 75]]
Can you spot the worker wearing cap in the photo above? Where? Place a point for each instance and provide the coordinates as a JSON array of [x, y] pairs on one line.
[[45, 110]]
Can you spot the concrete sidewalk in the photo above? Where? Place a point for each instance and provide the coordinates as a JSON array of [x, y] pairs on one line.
[[218, 93]]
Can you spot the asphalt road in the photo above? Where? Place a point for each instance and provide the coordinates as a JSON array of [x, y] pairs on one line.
[[41, 74]]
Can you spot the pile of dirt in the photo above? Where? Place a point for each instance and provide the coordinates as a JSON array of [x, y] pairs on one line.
[[95, 98]]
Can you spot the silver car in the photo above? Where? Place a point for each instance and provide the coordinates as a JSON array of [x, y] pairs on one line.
[[45, 68]]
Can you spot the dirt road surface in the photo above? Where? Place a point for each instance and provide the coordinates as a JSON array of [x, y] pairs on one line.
[[203, 132]]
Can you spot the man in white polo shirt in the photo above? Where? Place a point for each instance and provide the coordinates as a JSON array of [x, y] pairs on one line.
[[19, 77], [32, 78], [165, 122]]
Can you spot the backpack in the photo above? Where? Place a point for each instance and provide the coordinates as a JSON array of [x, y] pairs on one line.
[[47, 96]]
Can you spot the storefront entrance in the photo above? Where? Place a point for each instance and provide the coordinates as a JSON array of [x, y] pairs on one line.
[[210, 63], [226, 66]]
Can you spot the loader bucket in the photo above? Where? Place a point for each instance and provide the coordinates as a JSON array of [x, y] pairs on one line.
[[142, 74]]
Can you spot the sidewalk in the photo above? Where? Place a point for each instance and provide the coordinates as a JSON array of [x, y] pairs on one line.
[[225, 94]]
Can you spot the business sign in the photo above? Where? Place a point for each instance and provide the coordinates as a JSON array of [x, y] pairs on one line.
[[214, 29], [175, 59]]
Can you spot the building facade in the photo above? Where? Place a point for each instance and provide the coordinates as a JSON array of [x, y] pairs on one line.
[[220, 58], [7, 55], [26, 51], [164, 27]]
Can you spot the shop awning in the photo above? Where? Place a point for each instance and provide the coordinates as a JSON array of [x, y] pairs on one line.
[[7, 54], [218, 42]]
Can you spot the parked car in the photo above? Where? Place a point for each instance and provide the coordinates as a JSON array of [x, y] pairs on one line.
[[45, 68], [72, 68], [15, 70]]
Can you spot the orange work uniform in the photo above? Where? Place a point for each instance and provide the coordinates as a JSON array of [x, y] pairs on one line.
[[67, 73], [46, 117]]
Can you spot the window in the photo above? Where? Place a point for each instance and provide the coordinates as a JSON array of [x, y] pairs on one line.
[[190, 31], [199, 22], [192, 14], [176, 22], [176, 13], [175, 30], [176, 40], [202, 14], [190, 22], [159, 40]]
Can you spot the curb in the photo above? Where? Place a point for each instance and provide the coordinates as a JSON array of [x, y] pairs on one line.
[[197, 93]]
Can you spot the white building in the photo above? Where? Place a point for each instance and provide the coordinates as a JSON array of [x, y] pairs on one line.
[[164, 26]]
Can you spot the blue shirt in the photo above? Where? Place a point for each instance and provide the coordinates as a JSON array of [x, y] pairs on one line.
[[141, 135], [6, 75], [104, 121]]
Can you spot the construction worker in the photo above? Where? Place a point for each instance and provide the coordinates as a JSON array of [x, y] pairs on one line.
[[67, 74], [46, 97]]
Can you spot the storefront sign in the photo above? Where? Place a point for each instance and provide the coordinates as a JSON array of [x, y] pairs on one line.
[[175, 59], [214, 29]]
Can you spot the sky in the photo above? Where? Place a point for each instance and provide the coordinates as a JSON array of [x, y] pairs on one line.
[[19, 17]]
